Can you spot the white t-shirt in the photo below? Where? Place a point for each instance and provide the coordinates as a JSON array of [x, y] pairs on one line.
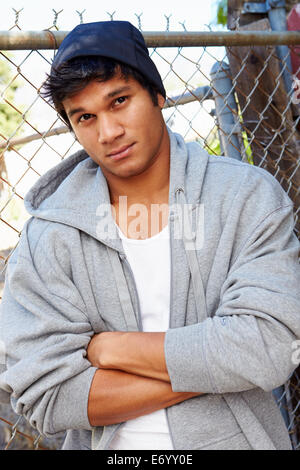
[[150, 262]]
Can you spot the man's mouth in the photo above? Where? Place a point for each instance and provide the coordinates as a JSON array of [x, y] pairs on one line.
[[121, 152]]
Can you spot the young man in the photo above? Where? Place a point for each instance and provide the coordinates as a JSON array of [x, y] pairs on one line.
[[153, 299]]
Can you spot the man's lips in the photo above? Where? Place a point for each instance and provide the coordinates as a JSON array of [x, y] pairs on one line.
[[122, 152]]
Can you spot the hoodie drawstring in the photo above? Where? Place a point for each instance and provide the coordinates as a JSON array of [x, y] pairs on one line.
[[189, 240], [123, 291]]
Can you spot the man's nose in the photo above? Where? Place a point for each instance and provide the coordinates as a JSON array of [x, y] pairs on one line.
[[109, 128]]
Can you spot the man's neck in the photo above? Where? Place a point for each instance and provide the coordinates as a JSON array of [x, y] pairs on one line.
[[141, 202], [149, 187]]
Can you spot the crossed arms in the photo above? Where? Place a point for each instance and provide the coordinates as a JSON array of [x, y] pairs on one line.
[[132, 378]]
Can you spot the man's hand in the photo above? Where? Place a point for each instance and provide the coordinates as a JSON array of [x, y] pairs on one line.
[[138, 353], [101, 348]]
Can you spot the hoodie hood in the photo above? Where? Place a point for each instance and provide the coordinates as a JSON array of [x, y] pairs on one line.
[[75, 191]]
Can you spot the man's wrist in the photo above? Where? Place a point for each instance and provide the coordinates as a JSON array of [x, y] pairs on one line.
[[143, 354]]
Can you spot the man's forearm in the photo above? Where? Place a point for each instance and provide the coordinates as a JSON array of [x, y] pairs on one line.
[[117, 396], [145, 355], [138, 353]]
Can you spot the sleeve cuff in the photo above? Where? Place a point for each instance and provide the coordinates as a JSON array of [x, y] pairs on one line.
[[185, 360], [71, 408]]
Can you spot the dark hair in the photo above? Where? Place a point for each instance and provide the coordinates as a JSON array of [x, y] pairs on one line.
[[74, 75]]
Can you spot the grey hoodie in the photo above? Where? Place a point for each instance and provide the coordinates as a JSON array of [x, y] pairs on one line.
[[235, 301]]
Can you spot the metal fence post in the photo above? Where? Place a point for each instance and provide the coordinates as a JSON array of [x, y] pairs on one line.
[[276, 11], [226, 110], [277, 19]]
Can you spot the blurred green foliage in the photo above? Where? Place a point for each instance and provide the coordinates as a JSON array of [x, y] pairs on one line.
[[9, 118], [222, 12]]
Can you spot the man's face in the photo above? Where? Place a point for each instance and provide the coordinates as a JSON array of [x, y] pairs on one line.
[[118, 125]]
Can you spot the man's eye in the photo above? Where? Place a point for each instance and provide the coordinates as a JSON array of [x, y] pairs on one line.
[[84, 117], [121, 100]]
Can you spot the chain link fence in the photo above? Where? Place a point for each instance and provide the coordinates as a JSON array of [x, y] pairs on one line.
[[235, 93]]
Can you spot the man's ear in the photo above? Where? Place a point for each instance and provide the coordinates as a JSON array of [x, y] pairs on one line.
[[160, 100]]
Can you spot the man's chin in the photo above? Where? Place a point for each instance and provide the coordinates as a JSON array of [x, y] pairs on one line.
[[125, 170]]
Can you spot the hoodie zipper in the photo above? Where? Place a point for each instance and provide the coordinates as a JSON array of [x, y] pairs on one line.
[[171, 231], [139, 319], [171, 225]]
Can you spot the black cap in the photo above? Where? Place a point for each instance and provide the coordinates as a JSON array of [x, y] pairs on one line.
[[118, 40]]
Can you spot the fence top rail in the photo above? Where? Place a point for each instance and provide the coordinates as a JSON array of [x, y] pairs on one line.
[[46, 39]]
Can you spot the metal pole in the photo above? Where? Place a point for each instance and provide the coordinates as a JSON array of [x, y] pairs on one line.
[[31, 40], [201, 93], [277, 19], [226, 110]]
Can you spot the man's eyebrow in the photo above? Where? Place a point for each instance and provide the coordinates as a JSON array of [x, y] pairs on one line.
[[110, 95], [117, 91], [74, 111]]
